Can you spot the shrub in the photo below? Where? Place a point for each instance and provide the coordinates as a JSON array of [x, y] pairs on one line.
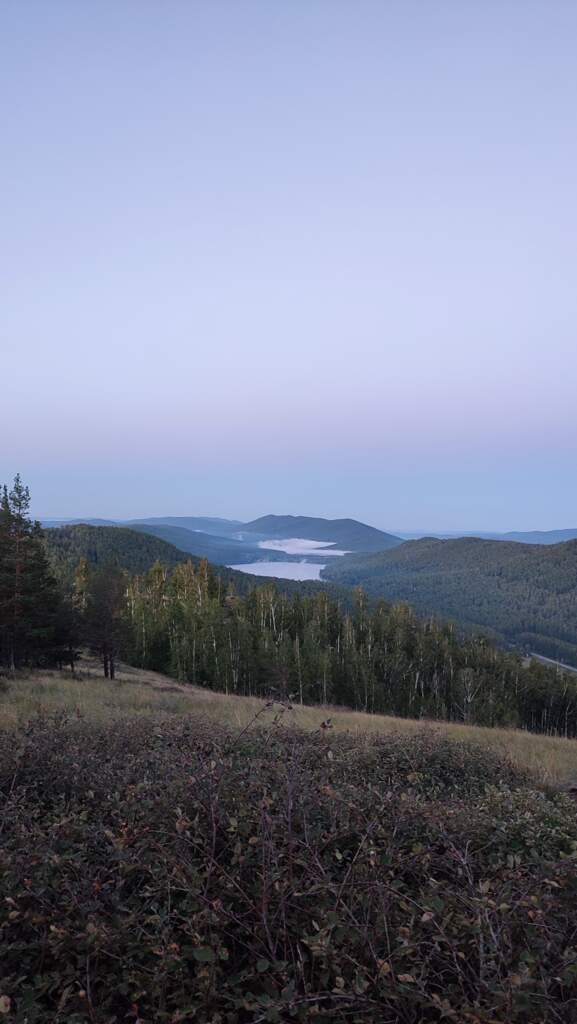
[[170, 872]]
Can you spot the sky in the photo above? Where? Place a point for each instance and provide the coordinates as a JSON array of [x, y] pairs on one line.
[[314, 257]]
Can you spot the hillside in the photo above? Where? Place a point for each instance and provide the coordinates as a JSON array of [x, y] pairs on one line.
[[229, 542], [204, 524], [227, 631], [219, 550], [252, 859], [107, 545], [136, 551], [342, 533], [142, 692], [522, 594]]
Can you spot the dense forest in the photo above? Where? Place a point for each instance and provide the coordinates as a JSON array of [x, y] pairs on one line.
[[523, 594], [103, 546], [295, 644], [135, 552], [308, 648]]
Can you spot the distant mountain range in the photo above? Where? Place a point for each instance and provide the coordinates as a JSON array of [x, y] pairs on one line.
[[541, 536], [349, 533], [524, 594], [519, 536], [229, 542]]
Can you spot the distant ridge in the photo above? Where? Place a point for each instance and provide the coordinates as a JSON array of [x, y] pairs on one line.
[[221, 550], [344, 533], [518, 536], [203, 524], [50, 524], [540, 536]]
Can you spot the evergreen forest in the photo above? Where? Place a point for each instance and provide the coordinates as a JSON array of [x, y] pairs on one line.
[[298, 644]]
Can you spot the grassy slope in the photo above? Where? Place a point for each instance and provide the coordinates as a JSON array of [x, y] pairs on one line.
[[224, 866], [150, 694]]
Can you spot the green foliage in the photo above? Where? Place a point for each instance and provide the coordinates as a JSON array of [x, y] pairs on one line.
[[137, 548], [223, 631], [169, 871], [378, 659], [30, 613], [105, 623], [521, 593], [108, 546]]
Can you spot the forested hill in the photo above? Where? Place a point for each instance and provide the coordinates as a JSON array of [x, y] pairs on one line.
[[136, 552], [522, 593], [345, 533], [105, 546], [267, 640]]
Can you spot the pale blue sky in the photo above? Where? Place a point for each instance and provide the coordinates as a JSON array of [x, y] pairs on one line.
[[305, 257]]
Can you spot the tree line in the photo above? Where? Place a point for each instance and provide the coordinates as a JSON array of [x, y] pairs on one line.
[[521, 594], [189, 621]]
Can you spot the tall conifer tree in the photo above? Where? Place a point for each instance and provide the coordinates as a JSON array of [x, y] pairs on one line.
[[28, 591]]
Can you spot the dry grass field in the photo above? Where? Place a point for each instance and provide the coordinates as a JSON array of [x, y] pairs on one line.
[[172, 855], [140, 693]]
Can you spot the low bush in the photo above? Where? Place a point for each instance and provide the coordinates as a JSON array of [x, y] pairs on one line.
[[169, 871]]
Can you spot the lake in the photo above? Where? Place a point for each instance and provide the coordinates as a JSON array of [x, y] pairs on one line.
[[282, 570]]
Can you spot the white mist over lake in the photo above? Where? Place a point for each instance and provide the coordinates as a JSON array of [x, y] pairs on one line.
[[282, 570], [291, 570], [301, 546]]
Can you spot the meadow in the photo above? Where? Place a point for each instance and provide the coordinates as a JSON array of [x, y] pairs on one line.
[[170, 854], [137, 692]]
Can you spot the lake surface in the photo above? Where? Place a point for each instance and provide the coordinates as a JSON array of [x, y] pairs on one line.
[[282, 570]]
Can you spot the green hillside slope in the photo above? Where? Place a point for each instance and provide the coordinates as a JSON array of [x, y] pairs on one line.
[[107, 545], [136, 551], [521, 593]]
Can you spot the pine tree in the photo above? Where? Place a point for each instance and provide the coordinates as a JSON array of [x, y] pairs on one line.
[[28, 591], [106, 619]]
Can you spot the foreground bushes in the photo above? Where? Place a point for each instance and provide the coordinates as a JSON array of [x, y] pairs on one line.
[[173, 873]]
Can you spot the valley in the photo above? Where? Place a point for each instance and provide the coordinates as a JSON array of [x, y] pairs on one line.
[[223, 742], [521, 595]]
